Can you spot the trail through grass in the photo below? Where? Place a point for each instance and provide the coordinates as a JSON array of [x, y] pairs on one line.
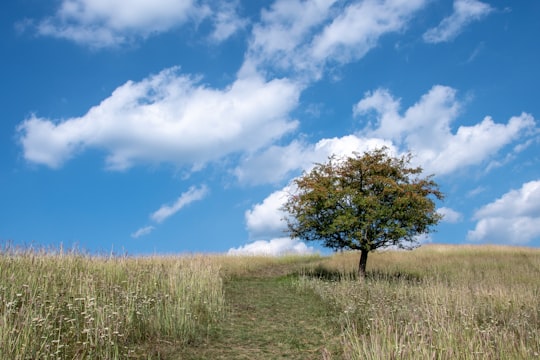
[[269, 318], [437, 302]]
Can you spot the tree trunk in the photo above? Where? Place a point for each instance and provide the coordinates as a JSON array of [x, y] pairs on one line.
[[362, 263]]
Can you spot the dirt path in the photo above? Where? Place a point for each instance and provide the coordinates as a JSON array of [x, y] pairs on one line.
[[270, 319]]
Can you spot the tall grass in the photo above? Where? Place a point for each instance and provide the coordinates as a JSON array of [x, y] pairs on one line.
[[73, 306], [438, 302], [238, 266]]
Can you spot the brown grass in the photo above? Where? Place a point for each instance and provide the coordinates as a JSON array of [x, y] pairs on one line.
[[439, 302], [71, 306]]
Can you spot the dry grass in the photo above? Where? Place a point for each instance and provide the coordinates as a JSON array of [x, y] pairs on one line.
[[256, 266], [438, 302], [71, 306]]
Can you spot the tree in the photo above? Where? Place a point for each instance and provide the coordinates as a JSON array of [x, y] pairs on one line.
[[364, 202]]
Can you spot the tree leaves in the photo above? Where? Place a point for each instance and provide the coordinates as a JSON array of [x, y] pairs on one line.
[[363, 202]]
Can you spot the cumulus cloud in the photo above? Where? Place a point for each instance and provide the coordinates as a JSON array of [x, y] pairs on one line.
[[426, 122], [166, 211], [100, 24], [276, 163], [426, 129], [266, 218], [513, 218], [142, 232], [306, 35], [465, 12], [108, 23], [168, 117], [450, 215], [273, 164], [279, 39], [357, 29], [273, 247]]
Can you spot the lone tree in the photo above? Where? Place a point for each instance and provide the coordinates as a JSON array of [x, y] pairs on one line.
[[363, 202]]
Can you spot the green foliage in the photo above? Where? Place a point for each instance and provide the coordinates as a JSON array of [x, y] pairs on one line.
[[363, 203]]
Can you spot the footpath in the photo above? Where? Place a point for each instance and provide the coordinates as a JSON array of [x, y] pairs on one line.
[[269, 318]]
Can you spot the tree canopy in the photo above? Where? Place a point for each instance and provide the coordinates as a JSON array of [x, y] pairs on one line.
[[363, 202]]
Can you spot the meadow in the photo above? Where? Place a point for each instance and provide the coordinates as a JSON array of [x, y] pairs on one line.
[[66, 305], [438, 302], [435, 302]]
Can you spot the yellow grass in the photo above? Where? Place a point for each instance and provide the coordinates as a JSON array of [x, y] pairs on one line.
[[248, 265], [436, 302], [71, 306], [439, 302]]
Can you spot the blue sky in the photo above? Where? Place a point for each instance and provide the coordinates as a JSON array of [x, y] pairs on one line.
[[175, 126]]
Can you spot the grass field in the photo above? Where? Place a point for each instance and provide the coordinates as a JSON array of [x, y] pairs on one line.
[[436, 302], [71, 306]]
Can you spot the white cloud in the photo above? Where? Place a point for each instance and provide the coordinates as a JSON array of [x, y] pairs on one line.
[[522, 202], [514, 218], [476, 191], [279, 39], [171, 118], [450, 215], [426, 123], [305, 35], [425, 129], [346, 146], [100, 23], [357, 29], [265, 219], [465, 12], [274, 247], [166, 211], [275, 163], [142, 232], [226, 21]]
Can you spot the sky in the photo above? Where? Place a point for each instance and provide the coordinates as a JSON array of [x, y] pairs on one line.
[[177, 126]]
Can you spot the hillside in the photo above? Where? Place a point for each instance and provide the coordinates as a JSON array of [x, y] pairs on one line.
[[443, 302]]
